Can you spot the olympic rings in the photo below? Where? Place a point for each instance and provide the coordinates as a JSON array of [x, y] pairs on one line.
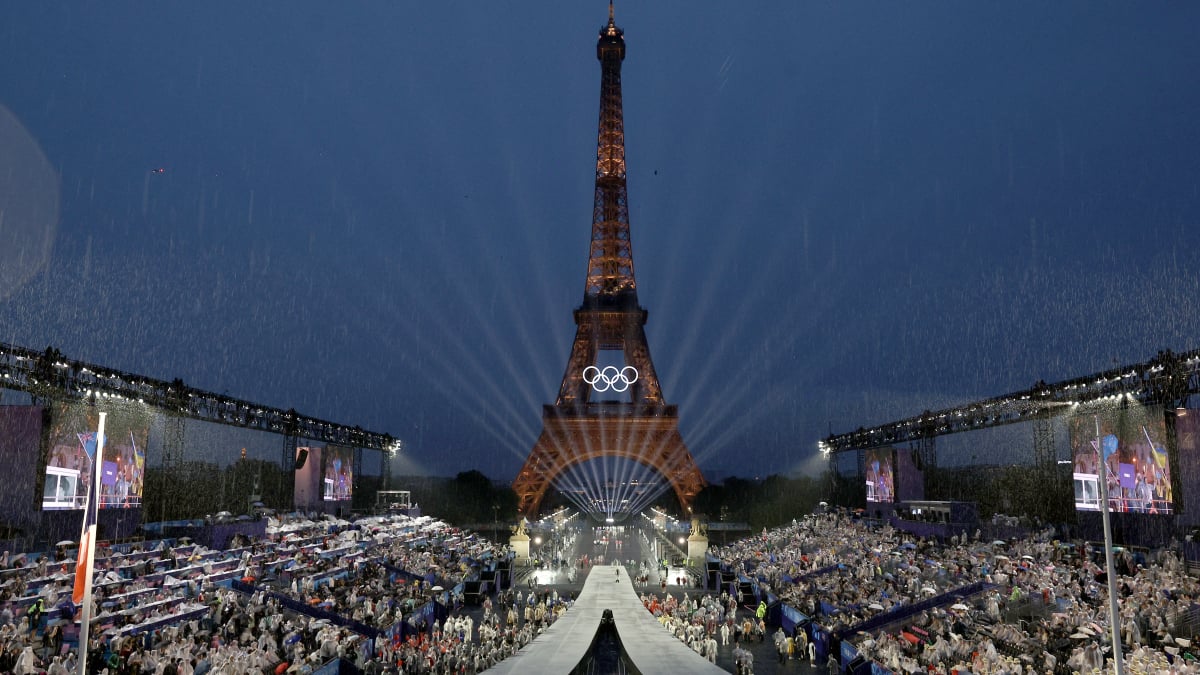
[[610, 378]]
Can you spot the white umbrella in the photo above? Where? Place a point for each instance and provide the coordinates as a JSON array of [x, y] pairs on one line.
[[959, 607], [875, 606], [66, 542], [436, 589]]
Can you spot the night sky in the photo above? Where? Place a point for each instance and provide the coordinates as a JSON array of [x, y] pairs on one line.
[[378, 212]]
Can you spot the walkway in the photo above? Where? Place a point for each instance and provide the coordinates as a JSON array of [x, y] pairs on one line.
[[647, 643]]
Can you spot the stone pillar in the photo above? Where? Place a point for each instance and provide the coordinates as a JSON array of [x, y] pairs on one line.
[[697, 548], [697, 544], [520, 545]]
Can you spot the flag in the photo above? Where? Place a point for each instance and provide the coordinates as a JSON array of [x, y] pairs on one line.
[[1110, 445], [87, 536], [139, 455], [88, 441]]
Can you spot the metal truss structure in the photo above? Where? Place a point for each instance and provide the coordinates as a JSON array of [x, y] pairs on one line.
[[587, 422], [50, 376], [1168, 380]]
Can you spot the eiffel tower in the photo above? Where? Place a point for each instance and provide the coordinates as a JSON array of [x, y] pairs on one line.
[[610, 403]]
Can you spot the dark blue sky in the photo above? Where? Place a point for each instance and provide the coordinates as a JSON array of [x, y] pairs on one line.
[[378, 212]]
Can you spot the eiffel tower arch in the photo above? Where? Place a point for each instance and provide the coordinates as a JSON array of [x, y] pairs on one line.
[[610, 403]]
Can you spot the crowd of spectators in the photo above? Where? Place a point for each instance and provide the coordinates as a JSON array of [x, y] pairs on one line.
[[171, 610], [458, 646], [1036, 604], [705, 623], [1040, 607]]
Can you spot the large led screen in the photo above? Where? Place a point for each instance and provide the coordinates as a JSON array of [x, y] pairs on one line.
[[880, 476], [1133, 444], [339, 473], [20, 438], [72, 454]]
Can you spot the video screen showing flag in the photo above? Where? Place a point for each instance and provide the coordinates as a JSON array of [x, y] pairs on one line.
[[1133, 444], [880, 475], [72, 454], [339, 473]]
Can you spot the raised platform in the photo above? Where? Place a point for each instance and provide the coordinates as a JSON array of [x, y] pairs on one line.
[[649, 646]]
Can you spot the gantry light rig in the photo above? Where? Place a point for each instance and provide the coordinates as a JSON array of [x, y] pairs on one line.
[[50, 376], [1168, 380]]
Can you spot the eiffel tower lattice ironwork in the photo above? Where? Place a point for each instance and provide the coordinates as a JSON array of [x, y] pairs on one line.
[[589, 421]]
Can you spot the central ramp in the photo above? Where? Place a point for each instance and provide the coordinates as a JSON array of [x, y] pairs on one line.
[[647, 644]]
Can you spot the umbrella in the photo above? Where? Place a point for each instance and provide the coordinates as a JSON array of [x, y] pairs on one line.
[[66, 542], [875, 606], [999, 542], [959, 607], [437, 589], [1027, 557]]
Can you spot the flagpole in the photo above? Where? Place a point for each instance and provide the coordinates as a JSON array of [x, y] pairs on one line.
[[89, 549], [1110, 568]]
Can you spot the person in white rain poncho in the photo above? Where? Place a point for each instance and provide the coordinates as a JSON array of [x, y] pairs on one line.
[[26, 663]]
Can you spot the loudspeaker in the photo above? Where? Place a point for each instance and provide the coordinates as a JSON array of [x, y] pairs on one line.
[[301, 458]]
